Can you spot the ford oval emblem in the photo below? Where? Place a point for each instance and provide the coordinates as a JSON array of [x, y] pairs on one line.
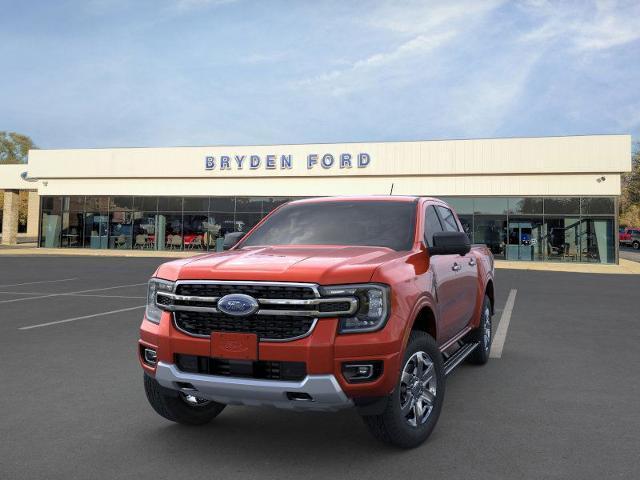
[[238, 305]]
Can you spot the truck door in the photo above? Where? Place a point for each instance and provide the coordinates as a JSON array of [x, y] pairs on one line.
[[466, 282], [444, 268]]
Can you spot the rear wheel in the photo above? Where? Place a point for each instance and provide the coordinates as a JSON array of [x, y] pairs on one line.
[[179, 407], [636, 245], [482, 335], [413, 408]]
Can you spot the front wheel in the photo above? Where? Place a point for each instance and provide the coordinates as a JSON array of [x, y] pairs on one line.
[[179, 407], [413, 408], [636, 245]]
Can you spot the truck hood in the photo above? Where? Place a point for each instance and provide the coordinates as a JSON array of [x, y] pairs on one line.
[[323, 265]]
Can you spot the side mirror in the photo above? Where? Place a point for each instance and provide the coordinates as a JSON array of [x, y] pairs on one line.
[[230, 239], [450, 243]]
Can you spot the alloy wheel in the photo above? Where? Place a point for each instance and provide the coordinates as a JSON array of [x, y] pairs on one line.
[[486, 327], [418, 388]]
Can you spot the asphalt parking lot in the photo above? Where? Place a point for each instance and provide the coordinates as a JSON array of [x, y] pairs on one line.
[[629, 253], [561, 401]]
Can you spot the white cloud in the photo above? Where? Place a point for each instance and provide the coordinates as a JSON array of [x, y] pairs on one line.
[[361, 73], [601, 26], [479, 105], [423, 29], [419, 16]]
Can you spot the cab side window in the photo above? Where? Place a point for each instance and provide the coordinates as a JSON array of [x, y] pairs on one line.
[[431, 225], [449, 223]]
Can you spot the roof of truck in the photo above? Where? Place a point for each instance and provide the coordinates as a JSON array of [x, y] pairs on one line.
[[389, 198]]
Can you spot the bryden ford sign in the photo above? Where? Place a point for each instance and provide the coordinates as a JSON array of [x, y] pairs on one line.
[[286, 162]]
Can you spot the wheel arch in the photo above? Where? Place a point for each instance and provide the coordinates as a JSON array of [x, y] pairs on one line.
[[425, 321]]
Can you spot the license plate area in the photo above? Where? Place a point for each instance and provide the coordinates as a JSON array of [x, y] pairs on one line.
[[234, 346]]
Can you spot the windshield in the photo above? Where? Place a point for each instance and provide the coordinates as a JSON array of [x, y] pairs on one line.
[[364, 223]]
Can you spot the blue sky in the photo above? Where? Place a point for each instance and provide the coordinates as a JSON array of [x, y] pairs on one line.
[[104, 73]]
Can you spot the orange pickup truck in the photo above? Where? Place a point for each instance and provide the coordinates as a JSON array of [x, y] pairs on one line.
[[328, 303]]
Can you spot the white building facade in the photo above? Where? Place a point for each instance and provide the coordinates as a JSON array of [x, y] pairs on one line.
[[537, 199]]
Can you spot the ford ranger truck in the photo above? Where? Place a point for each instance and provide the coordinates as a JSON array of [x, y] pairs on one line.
[[328, 303]]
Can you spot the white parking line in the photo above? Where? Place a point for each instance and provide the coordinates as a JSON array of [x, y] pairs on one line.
[[71, 293], [101, 296], [41, 281], [501, 332], [84, 317], [21, 293]]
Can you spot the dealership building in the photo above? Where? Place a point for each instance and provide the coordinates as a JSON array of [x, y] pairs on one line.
[[533, 199]]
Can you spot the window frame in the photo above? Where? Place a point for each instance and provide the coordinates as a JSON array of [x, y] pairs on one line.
[[442, 220], [425, 223]]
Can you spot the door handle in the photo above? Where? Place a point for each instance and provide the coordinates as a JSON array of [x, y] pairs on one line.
[[456, 267], [472, 262]]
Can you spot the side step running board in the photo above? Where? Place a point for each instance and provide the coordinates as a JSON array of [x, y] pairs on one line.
[[456, 359]]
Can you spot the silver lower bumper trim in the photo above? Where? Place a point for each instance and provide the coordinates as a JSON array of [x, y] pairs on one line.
[[324, 390]]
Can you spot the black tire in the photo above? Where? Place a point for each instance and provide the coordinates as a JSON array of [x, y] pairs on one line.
[[172, 406], [392, 426], [636, 245], [480, 355]]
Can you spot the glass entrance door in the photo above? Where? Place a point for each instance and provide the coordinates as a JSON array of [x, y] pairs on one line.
[[524, 240], [96, 230]]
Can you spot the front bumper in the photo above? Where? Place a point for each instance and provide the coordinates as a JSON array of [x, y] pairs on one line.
[[323, 352], [315, 392]]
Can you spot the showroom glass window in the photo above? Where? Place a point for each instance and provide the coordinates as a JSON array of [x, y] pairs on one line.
[[143, 217], [563, 229], [96, 222], [72, 222], [195, 221], [248, 213], [525, 229], [490, 224], [120, 222], [598, 225], [463, 206], [51, 222], [169, 235]]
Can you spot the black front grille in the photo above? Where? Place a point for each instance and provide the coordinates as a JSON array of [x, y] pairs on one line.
[[334, 307], [273, 306], [270, 370], [256, 291], [163, 300], [267, 327]]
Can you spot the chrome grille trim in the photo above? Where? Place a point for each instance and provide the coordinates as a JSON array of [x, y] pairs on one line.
[[188, 298], [353, 305], [315, 314], [312, 286]]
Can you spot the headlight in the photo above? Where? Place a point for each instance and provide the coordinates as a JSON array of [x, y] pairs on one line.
[[373, 306], [156, 285]]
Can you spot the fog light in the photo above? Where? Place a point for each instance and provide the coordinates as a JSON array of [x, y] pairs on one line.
[[150, 356], [361, 372]]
